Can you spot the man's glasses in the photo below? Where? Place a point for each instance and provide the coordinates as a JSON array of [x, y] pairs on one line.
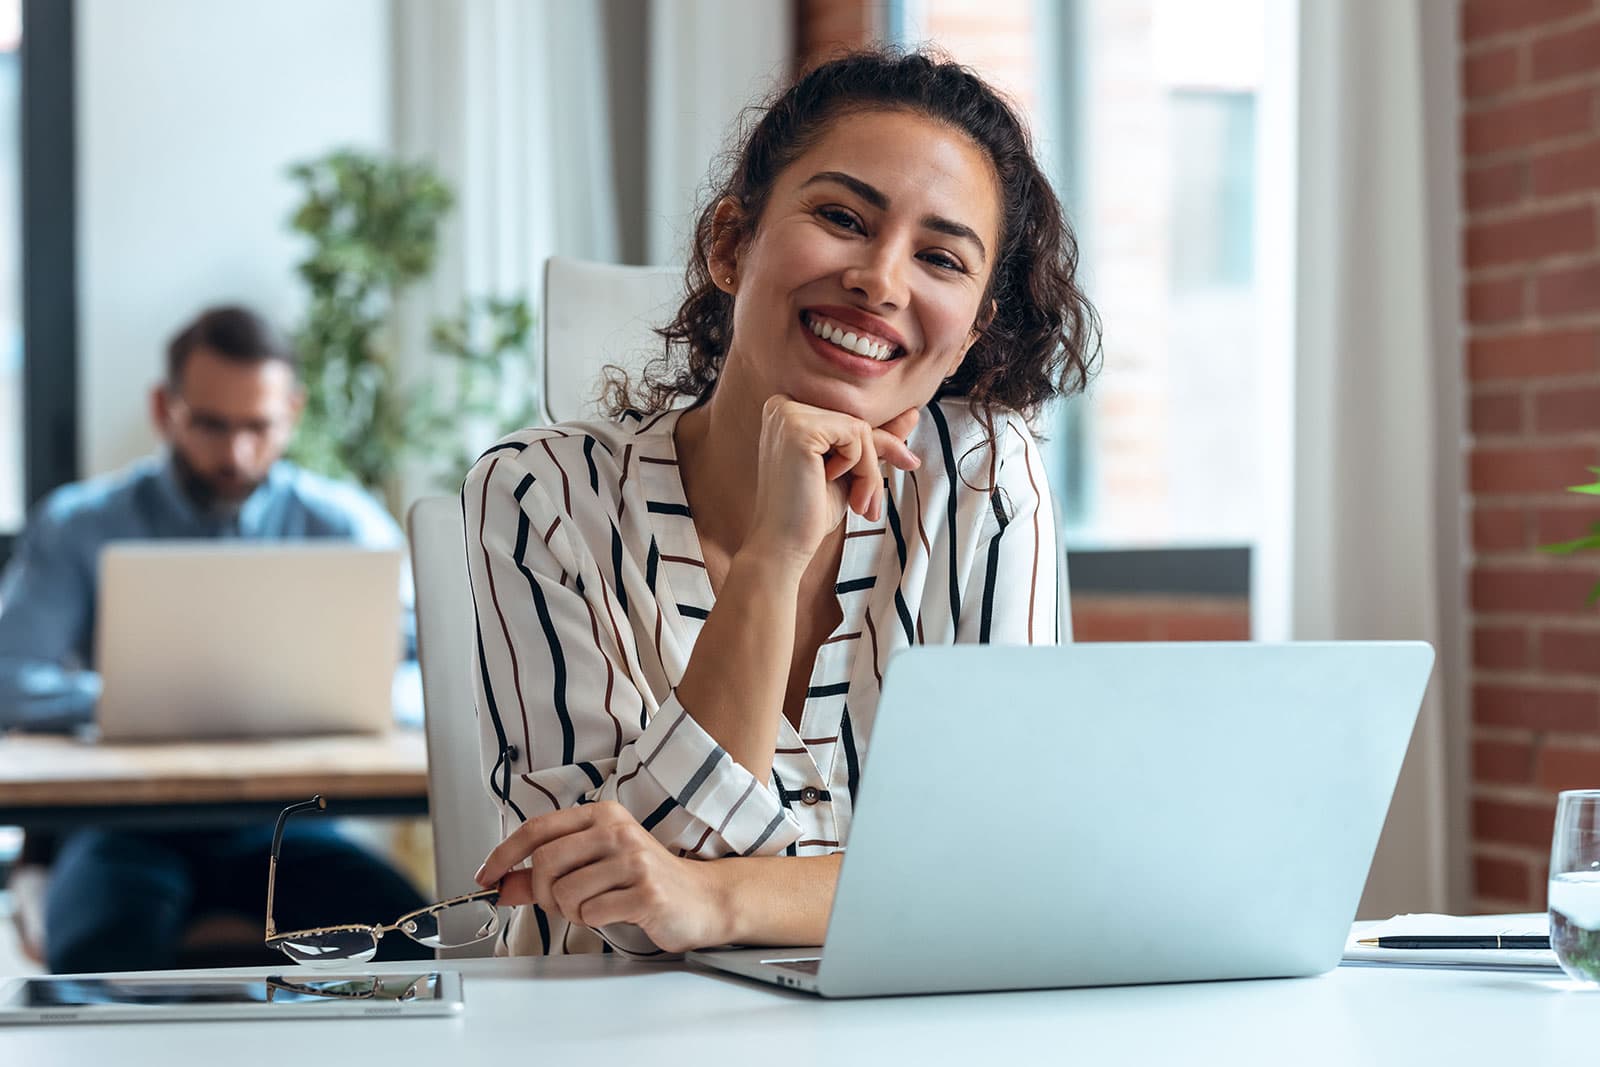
[[452, 923]]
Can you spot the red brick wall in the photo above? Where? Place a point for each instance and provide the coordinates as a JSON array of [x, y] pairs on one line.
[[1530, 77], [1159, 618], [826, 27]]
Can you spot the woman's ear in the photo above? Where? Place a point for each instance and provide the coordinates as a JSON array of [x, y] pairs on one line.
[[983, 320], [727, 233], [979, 324]]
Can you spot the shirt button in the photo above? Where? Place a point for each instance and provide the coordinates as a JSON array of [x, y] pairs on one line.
[[810, 795]]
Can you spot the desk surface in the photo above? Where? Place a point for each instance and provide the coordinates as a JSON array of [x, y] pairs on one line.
[[599, 1010], [53, 781]]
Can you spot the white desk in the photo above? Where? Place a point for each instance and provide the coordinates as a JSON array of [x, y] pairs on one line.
[[599, 1011]]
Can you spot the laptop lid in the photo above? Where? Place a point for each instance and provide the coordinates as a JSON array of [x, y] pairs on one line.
[[1100, 814], [206, 639]]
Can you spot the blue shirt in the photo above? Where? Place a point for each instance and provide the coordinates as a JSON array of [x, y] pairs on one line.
[[47, 593]]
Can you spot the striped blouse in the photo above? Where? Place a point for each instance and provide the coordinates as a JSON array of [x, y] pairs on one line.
[[591, 590]]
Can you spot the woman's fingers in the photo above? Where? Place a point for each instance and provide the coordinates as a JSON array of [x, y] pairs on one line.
[[902, 424], [861, 452], [866, 477], [556, 860], [613, 906], [530, 836], [893, 449], [844, 451], [571, 896], [516, 889], [573, 892], [794, 436]]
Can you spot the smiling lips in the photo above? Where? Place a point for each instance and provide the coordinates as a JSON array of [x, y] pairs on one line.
[[852, 339]]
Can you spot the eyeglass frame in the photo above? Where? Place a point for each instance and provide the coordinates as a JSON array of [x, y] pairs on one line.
[[276, 940], [277, 983]]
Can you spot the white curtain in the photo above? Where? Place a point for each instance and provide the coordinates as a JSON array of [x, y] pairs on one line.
[[509, 100], [709, 59], [1376, 496]]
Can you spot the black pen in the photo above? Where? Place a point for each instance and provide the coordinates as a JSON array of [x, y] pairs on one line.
[[1458, 941]]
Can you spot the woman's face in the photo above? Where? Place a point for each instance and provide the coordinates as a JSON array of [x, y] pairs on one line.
[[861, 288]]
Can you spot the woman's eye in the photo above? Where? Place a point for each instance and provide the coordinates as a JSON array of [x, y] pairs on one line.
[[840, 217], [945, 262]]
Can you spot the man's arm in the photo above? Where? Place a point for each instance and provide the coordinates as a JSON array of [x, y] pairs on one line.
[[46, 603]]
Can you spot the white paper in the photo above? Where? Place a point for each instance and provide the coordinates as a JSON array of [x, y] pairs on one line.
[[1526, 924]]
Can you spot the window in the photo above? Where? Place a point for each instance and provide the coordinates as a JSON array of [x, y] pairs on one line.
[[38, 237], [1147, 114], [12, 492]]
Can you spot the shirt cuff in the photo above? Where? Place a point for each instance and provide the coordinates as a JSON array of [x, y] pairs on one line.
[[698, 775]]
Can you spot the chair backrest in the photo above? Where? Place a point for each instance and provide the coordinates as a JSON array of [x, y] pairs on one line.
[[465, 823], [595, 314]]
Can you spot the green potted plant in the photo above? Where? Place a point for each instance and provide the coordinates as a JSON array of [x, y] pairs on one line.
[[373, 227]]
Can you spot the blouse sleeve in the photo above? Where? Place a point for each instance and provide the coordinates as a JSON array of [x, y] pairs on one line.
[[561, 719], [1014, 567]]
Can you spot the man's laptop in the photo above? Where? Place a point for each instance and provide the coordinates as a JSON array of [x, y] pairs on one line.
[[1103, 814], [206, 639]]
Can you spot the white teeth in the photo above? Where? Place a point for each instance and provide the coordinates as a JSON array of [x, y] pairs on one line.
[[860, 344]]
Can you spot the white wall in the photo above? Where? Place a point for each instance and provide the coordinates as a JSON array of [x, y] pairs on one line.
[[189, 112]]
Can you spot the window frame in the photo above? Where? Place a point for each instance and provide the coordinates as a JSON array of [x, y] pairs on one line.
[[49, 253], [1189, 570]]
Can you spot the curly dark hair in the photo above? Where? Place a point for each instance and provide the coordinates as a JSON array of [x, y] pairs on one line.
[[1043, 339]]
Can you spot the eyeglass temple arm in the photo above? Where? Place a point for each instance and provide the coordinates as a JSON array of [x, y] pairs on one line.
[[315, 802]]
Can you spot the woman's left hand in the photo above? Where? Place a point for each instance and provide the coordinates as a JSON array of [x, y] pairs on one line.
[[595, 865]]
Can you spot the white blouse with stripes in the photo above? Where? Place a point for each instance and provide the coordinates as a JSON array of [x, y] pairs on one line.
[[591, 590]]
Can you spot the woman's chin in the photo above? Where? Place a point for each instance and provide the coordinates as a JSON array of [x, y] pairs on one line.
[[847, 400]]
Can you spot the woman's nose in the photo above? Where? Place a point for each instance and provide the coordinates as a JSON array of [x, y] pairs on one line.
[[879, 278]]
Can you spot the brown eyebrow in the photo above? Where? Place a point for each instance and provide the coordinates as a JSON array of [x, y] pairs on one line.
[[875, 197]]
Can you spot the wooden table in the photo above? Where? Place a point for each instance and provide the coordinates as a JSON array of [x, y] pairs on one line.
[[50, 782]]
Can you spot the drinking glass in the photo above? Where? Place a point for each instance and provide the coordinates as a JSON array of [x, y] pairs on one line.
[[1575, 884]]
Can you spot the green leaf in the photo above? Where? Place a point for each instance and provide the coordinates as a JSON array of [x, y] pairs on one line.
[[1567, 547]]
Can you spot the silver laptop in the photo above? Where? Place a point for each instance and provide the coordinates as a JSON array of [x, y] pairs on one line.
[[206, 639], [1107, 814]]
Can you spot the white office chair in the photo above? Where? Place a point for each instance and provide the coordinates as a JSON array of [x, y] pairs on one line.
[[595, 314], [465, 823]]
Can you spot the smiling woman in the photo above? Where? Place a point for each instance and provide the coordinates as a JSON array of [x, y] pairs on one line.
[[684, 613], [890, 207]]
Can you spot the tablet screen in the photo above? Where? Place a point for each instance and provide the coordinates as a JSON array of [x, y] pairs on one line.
[[71, 999]]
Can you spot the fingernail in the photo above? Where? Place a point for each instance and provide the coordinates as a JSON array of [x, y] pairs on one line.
[[478, 877]]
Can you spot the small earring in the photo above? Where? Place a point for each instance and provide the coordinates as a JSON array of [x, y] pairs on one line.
[[728, 280]]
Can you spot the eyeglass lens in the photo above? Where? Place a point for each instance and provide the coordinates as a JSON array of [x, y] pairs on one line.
[[335, 946], [454, 926]]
